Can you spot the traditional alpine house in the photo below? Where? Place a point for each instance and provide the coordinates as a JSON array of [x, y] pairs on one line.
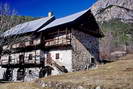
[[50, 46]]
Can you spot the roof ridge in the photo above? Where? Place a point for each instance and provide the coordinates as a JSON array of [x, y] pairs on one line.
[[65, 19]]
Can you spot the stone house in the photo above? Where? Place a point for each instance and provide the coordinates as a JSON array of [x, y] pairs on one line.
[[50, 46]]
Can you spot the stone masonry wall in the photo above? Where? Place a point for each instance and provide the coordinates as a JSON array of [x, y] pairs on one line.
[[33, 74], [84, 47]]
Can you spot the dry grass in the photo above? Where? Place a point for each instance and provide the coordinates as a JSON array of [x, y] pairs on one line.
[[21, 85], [115, 75]]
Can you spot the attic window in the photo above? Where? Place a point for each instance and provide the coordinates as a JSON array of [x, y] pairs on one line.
[[57, 56]]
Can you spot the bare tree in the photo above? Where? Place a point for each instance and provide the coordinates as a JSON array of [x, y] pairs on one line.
[[7, 20], [6, 17]]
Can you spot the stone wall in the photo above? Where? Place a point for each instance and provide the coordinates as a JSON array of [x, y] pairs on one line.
[[84, 47], [31, 74]]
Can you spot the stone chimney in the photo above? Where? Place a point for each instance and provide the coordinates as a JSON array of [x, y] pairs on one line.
[[50, 14]]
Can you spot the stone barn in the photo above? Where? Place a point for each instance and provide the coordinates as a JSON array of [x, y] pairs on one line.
[[50, 46]]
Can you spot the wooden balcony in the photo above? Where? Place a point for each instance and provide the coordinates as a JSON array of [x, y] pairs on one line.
[[57, 42], [17, 64], [25, 44]]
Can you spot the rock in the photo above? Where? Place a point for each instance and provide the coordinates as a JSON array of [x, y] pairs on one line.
[[80, 87], [98, 87], [105, 10], [118, 54]]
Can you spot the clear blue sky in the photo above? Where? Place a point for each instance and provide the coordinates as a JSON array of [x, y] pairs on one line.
[[39, 8]]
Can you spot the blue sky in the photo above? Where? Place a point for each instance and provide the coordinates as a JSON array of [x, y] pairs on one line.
[[40, 8]]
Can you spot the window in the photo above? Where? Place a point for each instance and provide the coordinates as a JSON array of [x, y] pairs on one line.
[[21, 74], [93, 60], [57, 56], [30, 56], [21, 59], [10, 58]]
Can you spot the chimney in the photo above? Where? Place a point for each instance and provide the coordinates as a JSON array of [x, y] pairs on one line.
[[50, 14]]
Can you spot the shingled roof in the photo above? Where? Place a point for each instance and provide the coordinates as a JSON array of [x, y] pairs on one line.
[[28, 26], [64, 20]]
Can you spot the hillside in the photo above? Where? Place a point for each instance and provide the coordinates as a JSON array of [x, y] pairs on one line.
[[118, 38], [115, 18], [115, 75]]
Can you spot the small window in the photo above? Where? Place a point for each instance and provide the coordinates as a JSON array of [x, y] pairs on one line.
[[93, 60], [30, 56], [10, 58], [57, 56], [21, 58], [20, 74]]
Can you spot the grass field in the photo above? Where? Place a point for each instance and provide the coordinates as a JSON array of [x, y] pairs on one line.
[[115, 75]]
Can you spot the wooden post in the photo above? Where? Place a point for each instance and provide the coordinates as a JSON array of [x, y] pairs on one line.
[[58, 37], [66, 37], [71, 36]]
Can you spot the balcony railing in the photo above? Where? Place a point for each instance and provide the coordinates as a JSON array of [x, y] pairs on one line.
[[57, 42], [14, 62], [22, 44]]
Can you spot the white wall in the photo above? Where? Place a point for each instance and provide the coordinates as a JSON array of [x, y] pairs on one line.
[[2, 70], [15, 74], [65, 59]]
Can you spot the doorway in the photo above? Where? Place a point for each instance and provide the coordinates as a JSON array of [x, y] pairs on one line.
[[21, 74]]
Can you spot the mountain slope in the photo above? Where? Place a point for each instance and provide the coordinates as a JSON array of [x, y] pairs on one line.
[[105, 10], [115, 18]]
